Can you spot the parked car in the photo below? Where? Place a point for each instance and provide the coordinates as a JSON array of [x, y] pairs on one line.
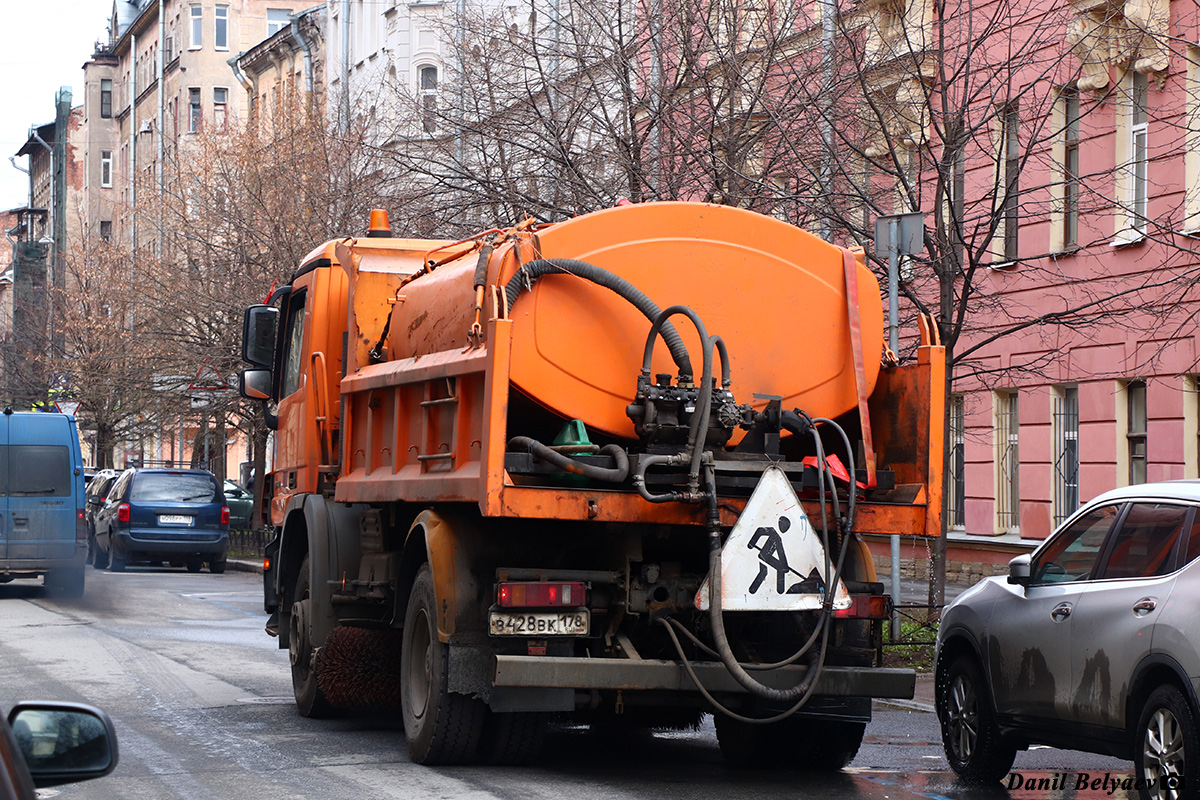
[[94, 496], [241, 506], [41, 501], [175, 515], [1090, 643], [49, 744]]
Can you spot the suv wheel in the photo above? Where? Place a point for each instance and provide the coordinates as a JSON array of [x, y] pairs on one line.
[[1167, 742], [970, 736]]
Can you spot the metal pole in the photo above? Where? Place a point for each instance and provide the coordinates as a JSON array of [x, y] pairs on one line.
[[894, 343]]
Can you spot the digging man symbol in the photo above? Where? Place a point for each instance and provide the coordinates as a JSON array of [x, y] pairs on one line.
[[769, 543]]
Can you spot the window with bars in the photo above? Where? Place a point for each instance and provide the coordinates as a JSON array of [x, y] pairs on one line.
[[1065, 423], [1008, 463], [956, 517], [1135, 392]]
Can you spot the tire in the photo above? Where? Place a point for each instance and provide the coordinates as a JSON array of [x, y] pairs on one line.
[[310, 700], [1166, 747], [218, 566], [91, 556], [441, 727], [65, 582], [99, 559], [116, 561], [194, 564], [970, 736], [512, 739]]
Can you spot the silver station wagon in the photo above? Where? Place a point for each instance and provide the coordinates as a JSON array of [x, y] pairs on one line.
[[1091, 643]]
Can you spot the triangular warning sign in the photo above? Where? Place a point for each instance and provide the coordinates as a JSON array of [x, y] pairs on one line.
[[773, 559]]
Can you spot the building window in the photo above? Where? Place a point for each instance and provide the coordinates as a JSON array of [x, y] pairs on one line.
[[105, 229], [106, 98], [428, 92], [1135, 392], [106, 169], [1191, 146], [1139, 189], [1011, 146], [1070, 168], [221, 28], [220, 101], [197, 17], [1065, 419], [1008, 463], [956, 517], [277, 20], [195, 117]]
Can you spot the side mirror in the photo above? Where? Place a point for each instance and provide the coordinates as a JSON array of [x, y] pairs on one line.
[[255, 384], [258, 335], [1018, 570], [64, 742]]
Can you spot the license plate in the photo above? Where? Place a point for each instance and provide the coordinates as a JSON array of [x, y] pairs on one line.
[[174, 519], [513, 623]]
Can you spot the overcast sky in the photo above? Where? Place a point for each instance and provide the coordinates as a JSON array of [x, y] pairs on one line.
[[43, 46]]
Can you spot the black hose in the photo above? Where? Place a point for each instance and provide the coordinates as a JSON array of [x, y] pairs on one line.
[[540, 451], [528, 273]]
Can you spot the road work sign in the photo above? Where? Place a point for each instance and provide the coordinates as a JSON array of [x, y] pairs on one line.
[[773, 559]]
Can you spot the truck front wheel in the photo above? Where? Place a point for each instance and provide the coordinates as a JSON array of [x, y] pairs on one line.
[[310, 700], [441, 727]]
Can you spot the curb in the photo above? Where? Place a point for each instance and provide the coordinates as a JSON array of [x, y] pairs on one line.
[[244, 565]]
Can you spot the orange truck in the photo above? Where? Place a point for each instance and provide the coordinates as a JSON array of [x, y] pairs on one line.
[[612, 471]]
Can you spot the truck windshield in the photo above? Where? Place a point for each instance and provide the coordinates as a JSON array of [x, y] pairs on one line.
[[164, 487]]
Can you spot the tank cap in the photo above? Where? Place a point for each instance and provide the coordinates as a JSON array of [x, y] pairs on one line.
[[380, 227]]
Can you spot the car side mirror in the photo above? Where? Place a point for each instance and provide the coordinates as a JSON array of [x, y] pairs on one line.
[[1018, 570], [64, 742], [255, 384]]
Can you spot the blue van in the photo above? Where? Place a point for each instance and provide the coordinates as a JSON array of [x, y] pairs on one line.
[[43, 530]]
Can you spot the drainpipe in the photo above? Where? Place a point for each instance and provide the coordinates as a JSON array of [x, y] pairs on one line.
[[345, 67], [162, 111], [303, 44], [133, 142]]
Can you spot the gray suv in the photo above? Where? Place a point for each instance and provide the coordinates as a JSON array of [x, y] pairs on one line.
[[1092, 643]]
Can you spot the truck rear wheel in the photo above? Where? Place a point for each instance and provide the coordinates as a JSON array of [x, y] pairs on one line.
[[441, 727], [310, 700]]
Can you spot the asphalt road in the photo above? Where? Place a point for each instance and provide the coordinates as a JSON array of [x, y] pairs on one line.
[[201, 698]]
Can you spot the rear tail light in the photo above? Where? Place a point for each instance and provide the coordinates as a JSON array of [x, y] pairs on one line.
[[541, 594], [123, 512], [266, 563], [224, 515], [80, 525], [865, 606]]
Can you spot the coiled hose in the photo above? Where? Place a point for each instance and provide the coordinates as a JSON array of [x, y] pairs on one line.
[[524, 277], [615, 474]]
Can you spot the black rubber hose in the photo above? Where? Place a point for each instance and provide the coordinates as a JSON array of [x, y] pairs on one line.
[[530, 272], [540, 451]]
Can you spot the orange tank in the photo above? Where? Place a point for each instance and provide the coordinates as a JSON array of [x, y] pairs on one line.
[[776, 295]]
